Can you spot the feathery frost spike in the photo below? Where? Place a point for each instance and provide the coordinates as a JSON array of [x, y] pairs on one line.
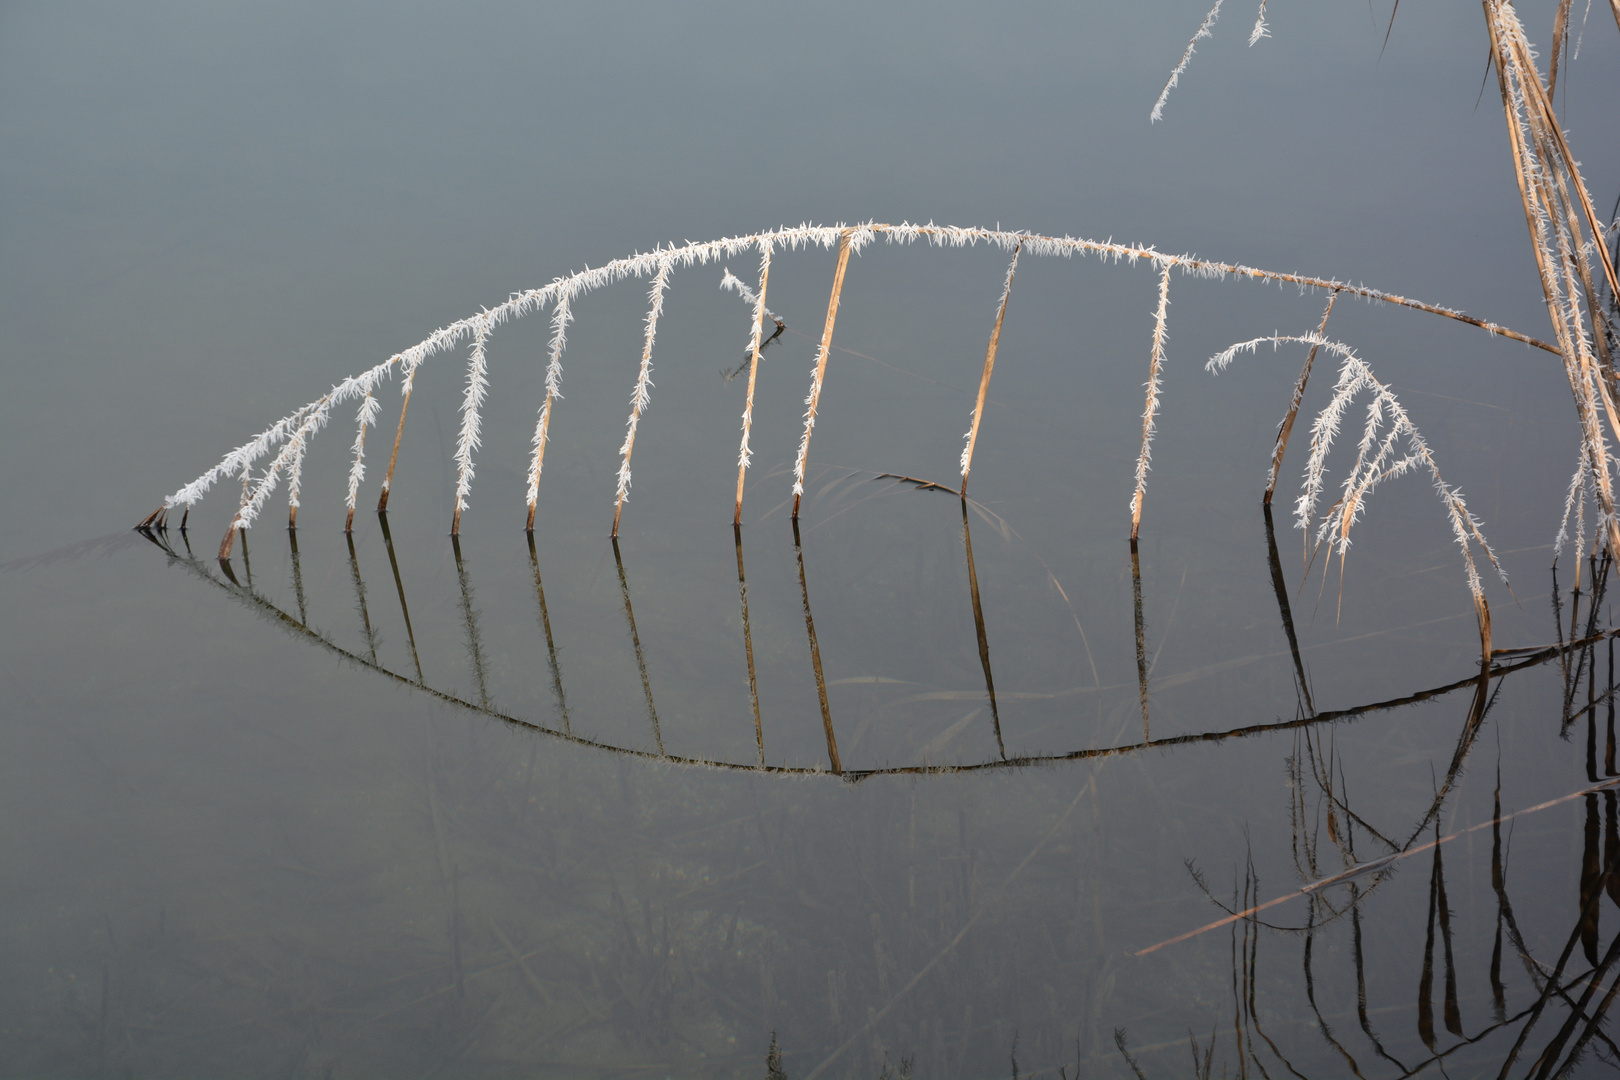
[[1186, 58], [561, 316], [744, 454], [1377, 458], [1154, 386], [730, 282], [364, 417], [1260, 29], [818, 374], [641, 398], [972, 436], [471, 422]]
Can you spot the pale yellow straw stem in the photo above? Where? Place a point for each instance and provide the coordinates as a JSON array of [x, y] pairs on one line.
[[814, 400], [989, 366]]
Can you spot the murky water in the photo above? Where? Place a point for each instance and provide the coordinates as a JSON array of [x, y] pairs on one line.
[[884, 790]]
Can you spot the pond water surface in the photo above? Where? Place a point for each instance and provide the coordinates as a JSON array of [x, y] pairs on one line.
[[916, 784]]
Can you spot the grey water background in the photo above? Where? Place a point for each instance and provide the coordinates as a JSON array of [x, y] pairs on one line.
[[230, 851]]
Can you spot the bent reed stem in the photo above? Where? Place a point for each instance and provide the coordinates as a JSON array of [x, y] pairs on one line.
[[813, 402]]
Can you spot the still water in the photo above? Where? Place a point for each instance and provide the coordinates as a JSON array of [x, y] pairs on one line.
[[917, 785]]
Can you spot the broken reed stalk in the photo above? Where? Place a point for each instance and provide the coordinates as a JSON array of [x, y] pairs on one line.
[[640, 398], [744, 454], [1151, 409], [989, 366], [399, 433], [813, 402], [1293, 404], [561, 316]]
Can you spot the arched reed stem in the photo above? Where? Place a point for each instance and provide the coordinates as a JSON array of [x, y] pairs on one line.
[[1293, 408], [399, 433], [641, 397]]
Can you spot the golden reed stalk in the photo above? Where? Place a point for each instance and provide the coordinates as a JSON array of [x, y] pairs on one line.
[[989, 366], [814, 401]]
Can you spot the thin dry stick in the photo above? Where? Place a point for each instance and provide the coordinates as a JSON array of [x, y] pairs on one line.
[[814, 400], [640, 399], [1293, 404], [989, 366], [1141, 639], [399, 433], [1155, 364], [641, 657], [744, 454]]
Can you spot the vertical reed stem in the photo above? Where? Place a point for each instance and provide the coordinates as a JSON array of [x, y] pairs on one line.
[[399, 433], [1155, 363], [744, 453], [1293, 409], [640, 399], [297, 576], [813, 402], [561, 315], [368, 634], [989, 366]]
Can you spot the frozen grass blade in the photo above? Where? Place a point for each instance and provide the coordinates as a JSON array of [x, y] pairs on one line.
[[561, 316], [813, 401], [641, 398], [1186, 57], [1151, 409], [364, 418], [989, 366], [472, 400], [744, 454]]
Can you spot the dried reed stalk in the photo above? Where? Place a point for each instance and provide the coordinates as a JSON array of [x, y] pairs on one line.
[[1293, 404], [561, 316], [1141, 638], [813, 402], [1151, 409], [399, 433], [399, 586], [640, 398], [744, 454], [1546, 171], [989, 366]]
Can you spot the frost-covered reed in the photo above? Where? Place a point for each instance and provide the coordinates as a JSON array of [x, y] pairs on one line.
[[277, 454]]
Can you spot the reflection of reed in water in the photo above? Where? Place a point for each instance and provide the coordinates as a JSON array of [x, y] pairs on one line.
[[1505, 661], [1543, 1026]]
